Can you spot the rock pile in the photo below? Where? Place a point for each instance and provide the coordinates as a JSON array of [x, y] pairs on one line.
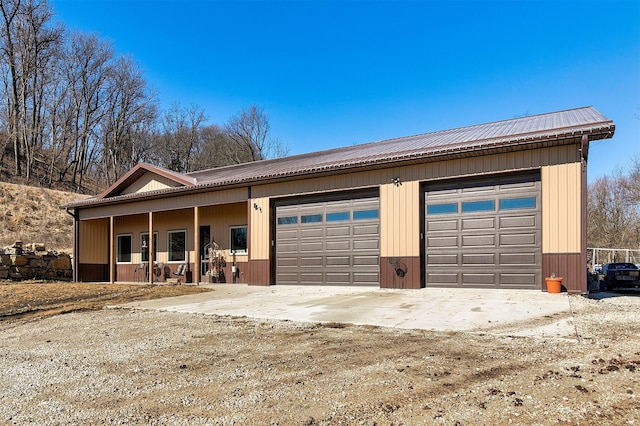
[[34, 262]]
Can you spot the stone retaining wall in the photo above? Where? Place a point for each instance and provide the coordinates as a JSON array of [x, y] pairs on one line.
[[18, 264]]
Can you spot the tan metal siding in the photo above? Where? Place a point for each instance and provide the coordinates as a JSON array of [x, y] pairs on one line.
[[149, 182], [221, 219], [400, 219], [561, 214], [259, 244], [94, 241], [166, 204]]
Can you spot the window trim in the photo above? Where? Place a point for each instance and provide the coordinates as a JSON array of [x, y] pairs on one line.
[[246, 249], [118, 245], [184, 257]]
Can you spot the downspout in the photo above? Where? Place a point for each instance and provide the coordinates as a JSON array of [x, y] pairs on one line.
[[584, 154], [76, 242]]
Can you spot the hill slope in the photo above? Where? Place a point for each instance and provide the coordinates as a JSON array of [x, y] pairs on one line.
[[33, 214]]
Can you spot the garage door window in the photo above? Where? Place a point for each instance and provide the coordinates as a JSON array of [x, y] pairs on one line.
[[365, 214], [478, 206], [311, 218], [518, 203], [336, 217], [433, 209], [289, 220]]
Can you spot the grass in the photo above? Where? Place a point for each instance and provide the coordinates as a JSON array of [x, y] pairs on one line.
[[33, 215]]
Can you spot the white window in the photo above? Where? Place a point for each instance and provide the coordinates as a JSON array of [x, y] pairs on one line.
[[177, 245], [238, 238], [123, 249]]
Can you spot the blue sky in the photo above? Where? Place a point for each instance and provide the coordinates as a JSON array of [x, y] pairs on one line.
[[336, 73]]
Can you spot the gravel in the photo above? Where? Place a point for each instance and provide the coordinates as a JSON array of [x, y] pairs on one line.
[[161, 368]]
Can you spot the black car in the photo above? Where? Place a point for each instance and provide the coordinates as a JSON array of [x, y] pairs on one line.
[[620, 275]]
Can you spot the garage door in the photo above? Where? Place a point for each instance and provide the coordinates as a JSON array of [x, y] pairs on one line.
[[484, 233], [328, 243]]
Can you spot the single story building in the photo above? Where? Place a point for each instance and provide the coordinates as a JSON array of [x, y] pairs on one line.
[[496, 205]]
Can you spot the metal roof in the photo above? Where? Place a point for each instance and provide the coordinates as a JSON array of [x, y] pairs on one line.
[[528, 132]]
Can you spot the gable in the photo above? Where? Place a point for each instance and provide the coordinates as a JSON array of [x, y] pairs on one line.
[[149, 182]]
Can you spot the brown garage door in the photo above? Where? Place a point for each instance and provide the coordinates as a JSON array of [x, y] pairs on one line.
[[328, 243], [484, 233]]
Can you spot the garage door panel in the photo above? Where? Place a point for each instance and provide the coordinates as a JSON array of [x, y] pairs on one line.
[[451, 241], [331, 246], [311, 261], [478, 240], [471, 278], [442, 225], [484, 233], [518, 280], [335, 242], [311, 246], [338, 260], [517, 258], [479, 223], [366, 244], [311, 233], [479, 259], [337, 231], [372, 260], [442, 259], [363, 278], [372, 229], [518, 240], [443, 278], [528, 221]]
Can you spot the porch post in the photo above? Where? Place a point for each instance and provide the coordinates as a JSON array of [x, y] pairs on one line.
[[196, 243], [151, 248], [112, 251]]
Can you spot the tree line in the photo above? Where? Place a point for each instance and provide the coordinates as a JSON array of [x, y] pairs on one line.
[[613, 209], [77, 115]]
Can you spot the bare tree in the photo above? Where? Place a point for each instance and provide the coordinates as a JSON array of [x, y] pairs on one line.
[[613, 217], [29, 43], [179, 144], [87, 70], [249, 130], [129, 116]]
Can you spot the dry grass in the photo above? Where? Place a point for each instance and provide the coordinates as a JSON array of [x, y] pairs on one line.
[[33, 214], [28, 300]]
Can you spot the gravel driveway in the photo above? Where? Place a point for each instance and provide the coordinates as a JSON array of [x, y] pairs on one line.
[[144, 367]]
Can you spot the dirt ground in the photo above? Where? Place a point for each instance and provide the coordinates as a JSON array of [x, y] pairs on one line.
[[67, 361]]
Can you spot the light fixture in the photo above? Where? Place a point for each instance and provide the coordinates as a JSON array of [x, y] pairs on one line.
[[396, 181], [257, 207]]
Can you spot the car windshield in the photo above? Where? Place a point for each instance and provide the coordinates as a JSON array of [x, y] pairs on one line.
[[622, 266]]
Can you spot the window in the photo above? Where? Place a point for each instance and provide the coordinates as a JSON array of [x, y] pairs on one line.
[[518, 203], [311, 218], [289, 220], [478, 206], [442, 208], [177, 245], [365, 214], [335, 217], [239, 239], [123, 251], [144, 246]]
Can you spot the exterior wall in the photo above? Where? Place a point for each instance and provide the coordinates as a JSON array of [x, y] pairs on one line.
[[400, 214], [563, 196], [400, 207], [93, 253], [149, 182], [399, 230]]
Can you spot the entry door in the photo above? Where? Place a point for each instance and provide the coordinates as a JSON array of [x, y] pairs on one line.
[[484, 233], [328, 243], [203, 253]]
